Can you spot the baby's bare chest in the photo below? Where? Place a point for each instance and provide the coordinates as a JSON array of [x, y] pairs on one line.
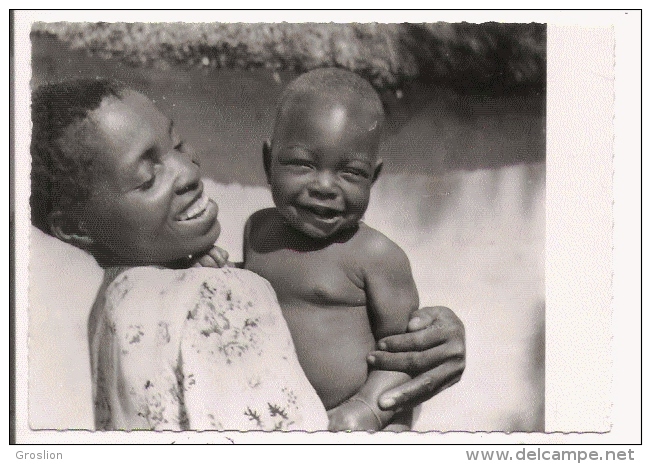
[[322, 277]]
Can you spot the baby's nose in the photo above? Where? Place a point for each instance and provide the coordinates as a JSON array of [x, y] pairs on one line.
[[324, 186]]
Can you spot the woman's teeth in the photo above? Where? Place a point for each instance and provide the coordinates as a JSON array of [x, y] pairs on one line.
[[196, 209]]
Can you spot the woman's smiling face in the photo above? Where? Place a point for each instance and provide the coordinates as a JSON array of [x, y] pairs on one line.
[[148, 205]]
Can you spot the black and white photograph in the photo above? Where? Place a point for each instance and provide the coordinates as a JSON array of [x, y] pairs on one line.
[[208, 252]]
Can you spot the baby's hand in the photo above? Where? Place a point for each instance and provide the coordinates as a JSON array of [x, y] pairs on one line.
[[215, 257], [354, 414]]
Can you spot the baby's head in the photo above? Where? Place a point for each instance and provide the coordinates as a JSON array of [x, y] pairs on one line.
[[323, 157], [110, 175]]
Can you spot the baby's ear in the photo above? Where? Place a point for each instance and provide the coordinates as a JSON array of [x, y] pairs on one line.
[[266, 157], [69, 230], [377, 169]]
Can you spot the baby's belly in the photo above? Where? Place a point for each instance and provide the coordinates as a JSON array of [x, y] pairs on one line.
[[332, 343]]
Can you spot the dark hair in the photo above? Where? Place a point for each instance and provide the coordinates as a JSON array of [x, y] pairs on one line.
[[328, 81], [61, 173]]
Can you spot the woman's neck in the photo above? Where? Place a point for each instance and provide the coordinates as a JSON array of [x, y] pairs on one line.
[[108, 260]]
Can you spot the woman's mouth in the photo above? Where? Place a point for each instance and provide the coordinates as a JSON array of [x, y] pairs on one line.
[[196, 209]]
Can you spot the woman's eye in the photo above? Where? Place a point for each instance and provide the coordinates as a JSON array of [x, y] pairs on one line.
[[300, 163], [147, 185]]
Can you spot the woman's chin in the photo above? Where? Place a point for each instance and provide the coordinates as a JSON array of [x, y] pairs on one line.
[[205, 242], [215, 232]]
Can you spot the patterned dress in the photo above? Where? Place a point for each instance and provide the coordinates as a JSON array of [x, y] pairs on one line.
[[196, 349]]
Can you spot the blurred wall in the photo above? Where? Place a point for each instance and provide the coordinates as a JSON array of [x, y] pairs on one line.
[[227, 114]]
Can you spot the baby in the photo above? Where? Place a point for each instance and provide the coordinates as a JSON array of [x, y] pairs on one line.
[[341, 284]]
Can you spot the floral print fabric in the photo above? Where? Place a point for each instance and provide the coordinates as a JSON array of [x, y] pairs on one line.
[[196, 349]]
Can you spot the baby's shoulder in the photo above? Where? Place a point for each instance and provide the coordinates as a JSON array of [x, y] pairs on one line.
[[263, 215], [376, 247], [263, 220]]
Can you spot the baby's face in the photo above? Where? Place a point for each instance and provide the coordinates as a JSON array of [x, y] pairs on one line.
[[324, 162], [148, 204]]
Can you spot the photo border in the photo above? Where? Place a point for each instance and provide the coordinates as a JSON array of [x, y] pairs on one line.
[[577, 304]]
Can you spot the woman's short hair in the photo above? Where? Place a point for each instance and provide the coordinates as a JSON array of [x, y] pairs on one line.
[[61, 171]]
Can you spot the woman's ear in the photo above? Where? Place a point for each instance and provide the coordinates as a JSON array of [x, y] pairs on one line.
[[69, 230], [266, 158], [377, 169]]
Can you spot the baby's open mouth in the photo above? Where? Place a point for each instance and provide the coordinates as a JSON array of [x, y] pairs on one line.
[[323, 212], [196, 209]]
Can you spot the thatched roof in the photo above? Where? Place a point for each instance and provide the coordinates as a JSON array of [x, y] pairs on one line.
[[491, 55]]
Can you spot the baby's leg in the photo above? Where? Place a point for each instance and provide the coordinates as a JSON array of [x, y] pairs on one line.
[[401, 422]]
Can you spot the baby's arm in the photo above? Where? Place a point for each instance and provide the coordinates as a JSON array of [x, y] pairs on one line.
[[391, 297]]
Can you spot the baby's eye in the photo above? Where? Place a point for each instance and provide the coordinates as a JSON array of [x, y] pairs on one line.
[[356, 173], [180, 146]]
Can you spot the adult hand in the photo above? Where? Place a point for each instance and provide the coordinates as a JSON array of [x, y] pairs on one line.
[[433, 352]]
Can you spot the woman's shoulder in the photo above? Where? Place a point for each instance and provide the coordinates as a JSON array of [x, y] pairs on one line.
[[145, 305], [153, 286], [150, 275], [228, 285]]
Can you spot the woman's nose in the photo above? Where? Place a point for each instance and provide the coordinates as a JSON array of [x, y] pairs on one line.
[[186, 171]]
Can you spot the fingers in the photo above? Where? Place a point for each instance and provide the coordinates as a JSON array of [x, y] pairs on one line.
[[219, 256], [423, 387], [412, 363], [434, 350], [421, 318], [414, 341], [205, 261], [215, 257], [432, 315], [440, 325]]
